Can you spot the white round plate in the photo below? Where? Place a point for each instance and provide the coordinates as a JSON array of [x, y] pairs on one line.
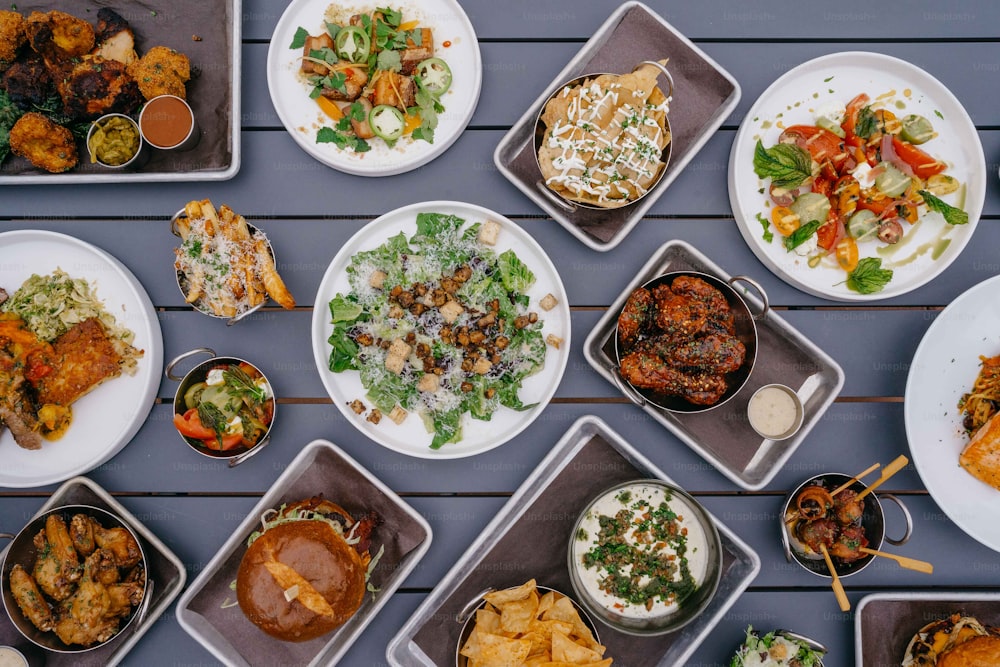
[[411, 437], [302, 117], [106, 419], [836, 79], [944, 367]]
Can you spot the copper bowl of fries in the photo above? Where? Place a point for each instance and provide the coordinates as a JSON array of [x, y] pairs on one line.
[[225, 265], [626, 116]]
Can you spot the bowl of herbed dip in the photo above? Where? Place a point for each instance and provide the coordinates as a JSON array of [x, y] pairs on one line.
[[645, 557]]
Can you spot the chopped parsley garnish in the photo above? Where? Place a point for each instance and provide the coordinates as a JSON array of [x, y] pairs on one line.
[[766, 224]]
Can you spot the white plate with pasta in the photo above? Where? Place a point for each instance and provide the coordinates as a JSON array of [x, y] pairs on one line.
[[106, 419], [454, 41], [944, 368]]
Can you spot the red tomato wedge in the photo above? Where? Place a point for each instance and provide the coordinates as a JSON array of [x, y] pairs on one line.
[[922, 164]]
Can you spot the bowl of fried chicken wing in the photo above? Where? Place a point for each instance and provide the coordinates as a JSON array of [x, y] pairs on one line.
[[686, 341], [74, 579]]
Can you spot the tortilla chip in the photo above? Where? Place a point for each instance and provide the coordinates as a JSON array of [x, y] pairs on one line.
[[566, 650], [516, 616], [498, 651], [500, 598]]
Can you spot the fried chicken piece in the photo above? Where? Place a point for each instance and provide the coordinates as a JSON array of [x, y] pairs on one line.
[[30, 600], [847, 547], [83, 358], [634, 317], [714, 353], [81, 531], [645, 370], [45, 144], [57, 567], [58, 36], [719, 312], [676, 314], [120, 543], [95, 86], [11, 37], [27, 81], [161, 71], [115, 39]]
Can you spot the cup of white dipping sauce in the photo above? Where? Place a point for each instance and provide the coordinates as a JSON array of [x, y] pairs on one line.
[[775, 412], [11, 657]]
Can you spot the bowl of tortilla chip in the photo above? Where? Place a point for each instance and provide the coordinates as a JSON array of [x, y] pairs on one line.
[[603, 140], [527, 624]]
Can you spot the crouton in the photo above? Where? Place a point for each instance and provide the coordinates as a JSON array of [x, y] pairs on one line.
[[429, 382], [553, 340], [375, 416], [398, 415], [451, 310], [357, 406], [489, 232], [548, 302], [398, 353], [482, 366], [377, 279]]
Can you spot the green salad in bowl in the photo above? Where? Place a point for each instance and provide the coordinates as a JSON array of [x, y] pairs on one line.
[[444, 323], [778, 648]]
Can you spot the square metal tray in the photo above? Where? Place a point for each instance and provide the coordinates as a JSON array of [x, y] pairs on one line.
[[165, 570], [723, 436], [704, 96], [528, 539], [884, 623], [320, 468], [213, 91]]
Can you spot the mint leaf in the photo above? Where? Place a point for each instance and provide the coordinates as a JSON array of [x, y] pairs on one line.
[[869, 277], [766, 224], [299, 39], [866, 124], [952, 215], [802, 234], [786, 165]]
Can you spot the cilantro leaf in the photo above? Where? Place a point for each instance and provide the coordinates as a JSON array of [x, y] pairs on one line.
[[866, 124], [802, 234], [389, 60], [392, 16], [332, 29], [299, 40], [952, 214], [766, 224], [357, 112], [786, 165], [328, 135], [869, 277]]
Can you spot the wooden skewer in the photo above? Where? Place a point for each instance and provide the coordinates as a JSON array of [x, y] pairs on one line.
[[887, 472], [855, 478], [908, 563], [838, 588]]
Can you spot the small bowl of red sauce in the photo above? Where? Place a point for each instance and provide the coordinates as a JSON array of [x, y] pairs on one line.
[[168, 123]]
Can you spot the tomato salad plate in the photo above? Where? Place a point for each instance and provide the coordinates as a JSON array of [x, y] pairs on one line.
[[374, 89], [441, 330], [944, 369], [857, 176], [106, 418]]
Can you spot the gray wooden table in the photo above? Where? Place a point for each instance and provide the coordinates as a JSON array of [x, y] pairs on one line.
[[302, 206]]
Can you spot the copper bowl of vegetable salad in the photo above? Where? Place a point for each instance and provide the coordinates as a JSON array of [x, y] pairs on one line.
[[224, 407]]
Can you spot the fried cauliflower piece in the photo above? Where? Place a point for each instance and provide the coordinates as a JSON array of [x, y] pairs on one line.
[[161, 71], [58, 35], [11, 37], [95, 86], [45, 144]]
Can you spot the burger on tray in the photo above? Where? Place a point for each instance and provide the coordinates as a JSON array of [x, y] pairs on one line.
[[306, 571]]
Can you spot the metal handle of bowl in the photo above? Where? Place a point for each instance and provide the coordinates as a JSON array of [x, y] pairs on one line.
[[240, 458], [785, 546], [147, 595], [173, 222], [906, 517], [471, 606], [760, 290], [554, 198], [169, 370], [666, 73], [8, 536]]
